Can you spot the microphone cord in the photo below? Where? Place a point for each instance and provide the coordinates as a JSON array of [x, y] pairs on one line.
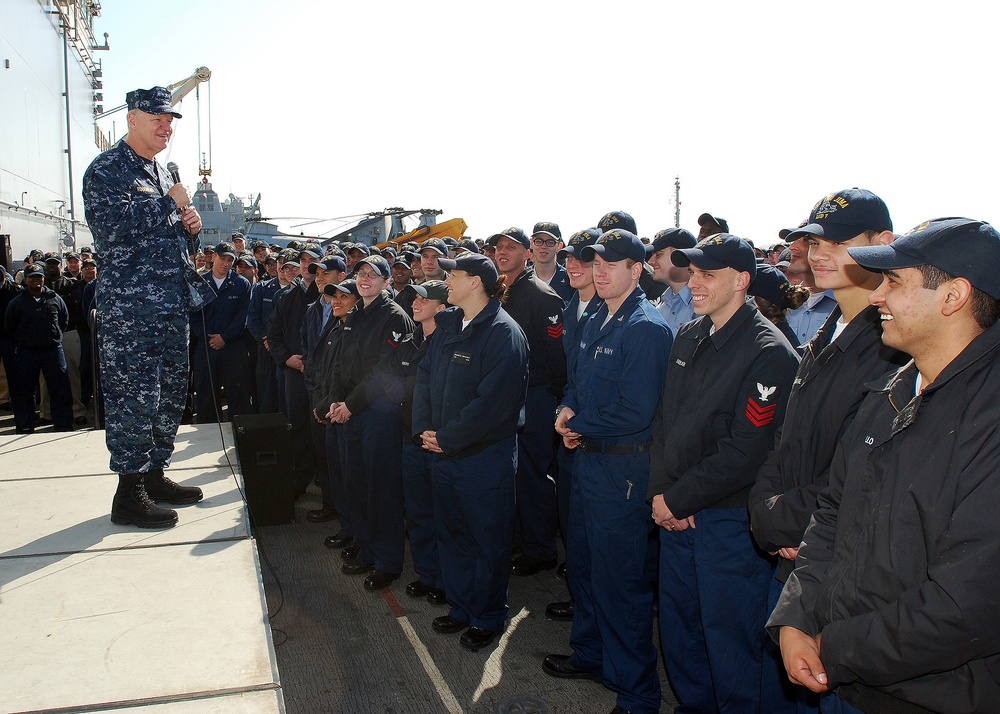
[[246, 502]]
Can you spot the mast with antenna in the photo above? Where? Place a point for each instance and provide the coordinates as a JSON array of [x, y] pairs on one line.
[[677, 202]]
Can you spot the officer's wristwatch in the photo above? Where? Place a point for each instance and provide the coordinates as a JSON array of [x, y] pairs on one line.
[[559, 411]]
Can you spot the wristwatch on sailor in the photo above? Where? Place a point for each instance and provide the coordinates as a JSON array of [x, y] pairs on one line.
[[559, 411]]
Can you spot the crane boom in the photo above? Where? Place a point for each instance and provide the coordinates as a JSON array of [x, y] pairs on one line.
[[181, 89], [178, 90]]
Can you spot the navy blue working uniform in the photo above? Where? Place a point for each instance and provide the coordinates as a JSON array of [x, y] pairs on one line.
[[724, 395], [333, 432], [284, 337], [559, 282], [8, 289], [36, 326], [539, 312], [470, 389], [148, 284], [263, 298], [613, 392], [316, 327], [372, 441], [418, 488], [574, 322], [227, 368]]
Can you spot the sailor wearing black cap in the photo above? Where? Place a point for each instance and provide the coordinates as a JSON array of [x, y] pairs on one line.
[[607, 414], [723, 396], [892, 604], [546, 241], [837, 364], [284, 338], [539, 311], [365, 398], [319, 320], [428, 300], [468, 403], [675, 303], [219, 357], [343, 297], [710, 225], [584, 303]]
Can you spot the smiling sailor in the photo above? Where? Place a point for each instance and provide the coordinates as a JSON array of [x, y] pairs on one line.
[[724, 395], [143, 225]]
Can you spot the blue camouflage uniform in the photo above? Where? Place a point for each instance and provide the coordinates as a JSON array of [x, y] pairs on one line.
[[613, 391], [147, 286]]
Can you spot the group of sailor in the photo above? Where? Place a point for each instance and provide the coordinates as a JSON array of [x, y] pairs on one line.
[[787, 454]]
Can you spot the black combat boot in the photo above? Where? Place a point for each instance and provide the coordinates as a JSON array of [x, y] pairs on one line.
[[132, 506], [163, 490]]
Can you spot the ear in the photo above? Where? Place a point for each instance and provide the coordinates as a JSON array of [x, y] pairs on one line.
[[742, 281], [637, 270], [884, 238], [957, 294]]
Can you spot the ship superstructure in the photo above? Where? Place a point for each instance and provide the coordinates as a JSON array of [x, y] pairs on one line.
[[51, 92]]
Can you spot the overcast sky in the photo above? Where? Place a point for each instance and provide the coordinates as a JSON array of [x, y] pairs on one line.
[[511, 113]]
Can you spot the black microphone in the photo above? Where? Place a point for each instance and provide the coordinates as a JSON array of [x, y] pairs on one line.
[[175, 173]]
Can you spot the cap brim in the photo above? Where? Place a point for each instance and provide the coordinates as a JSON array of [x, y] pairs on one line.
[[339, 288], [683, 257], [832, 232], [609, 254], [883, 257], [447, 264]]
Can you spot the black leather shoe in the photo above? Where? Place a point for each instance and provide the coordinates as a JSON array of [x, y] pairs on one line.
[[356, 567], [475, 638], [321, 515], [133, 507], [436, 596], [338, 541], [160, 488], [561, 570], [559, 666], [526, 565], [350, 552], [379, 580], [417, 589], [559, 611], [448, 625]]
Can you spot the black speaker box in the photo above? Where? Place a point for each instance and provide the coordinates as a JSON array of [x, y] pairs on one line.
[[264, 452]]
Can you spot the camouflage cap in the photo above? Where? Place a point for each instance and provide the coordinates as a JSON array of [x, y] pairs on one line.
[[152, 101]]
